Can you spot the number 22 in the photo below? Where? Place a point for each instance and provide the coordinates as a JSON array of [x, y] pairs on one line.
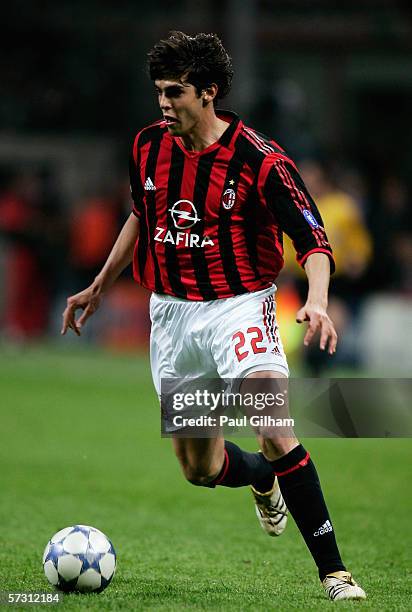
[[257, 337]]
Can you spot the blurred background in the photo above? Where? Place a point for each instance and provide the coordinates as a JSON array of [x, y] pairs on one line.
[[331, 84]]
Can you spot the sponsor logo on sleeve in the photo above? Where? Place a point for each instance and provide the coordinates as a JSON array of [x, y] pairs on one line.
[[310, 219]]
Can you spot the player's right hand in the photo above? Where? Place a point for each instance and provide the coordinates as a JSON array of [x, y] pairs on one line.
[[88, 300]]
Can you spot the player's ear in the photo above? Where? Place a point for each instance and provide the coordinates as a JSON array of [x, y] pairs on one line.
[[209, 93]]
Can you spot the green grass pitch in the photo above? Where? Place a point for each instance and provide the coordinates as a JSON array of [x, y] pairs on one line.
[[80, 443]]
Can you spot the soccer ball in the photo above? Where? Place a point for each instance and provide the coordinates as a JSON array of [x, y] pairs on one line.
[[79, 558]]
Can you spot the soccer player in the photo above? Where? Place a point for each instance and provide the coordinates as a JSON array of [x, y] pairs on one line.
[[212, 199]]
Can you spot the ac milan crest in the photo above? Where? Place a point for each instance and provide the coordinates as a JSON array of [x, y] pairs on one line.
[[228, 199]]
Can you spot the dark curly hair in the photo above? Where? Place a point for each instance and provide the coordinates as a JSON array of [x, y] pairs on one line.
[[202, 59]]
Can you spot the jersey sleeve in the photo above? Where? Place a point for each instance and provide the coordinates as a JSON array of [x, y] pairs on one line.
[[295, 211], [136, 187]]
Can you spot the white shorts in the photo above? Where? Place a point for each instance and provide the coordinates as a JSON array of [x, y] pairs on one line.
[[227, 338]]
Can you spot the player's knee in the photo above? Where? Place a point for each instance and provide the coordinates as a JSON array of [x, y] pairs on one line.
[[273, 438], [275, 446]]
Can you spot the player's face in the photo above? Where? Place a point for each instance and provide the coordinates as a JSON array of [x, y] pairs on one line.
[[180, 104]]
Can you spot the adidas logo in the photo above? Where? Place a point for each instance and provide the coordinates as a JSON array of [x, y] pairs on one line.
[[326, 527], [149, 185]]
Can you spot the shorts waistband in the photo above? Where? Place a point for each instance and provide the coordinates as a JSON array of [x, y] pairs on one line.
[[164, 297]]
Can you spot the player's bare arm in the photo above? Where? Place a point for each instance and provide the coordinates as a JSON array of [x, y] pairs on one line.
[[317, 268], [89, 299]]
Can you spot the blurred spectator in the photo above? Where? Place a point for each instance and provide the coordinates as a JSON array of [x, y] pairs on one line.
[[356, 187], [350, 240], [94, 227], [30, 232], [391, 224], [352, 247], [91, 236]]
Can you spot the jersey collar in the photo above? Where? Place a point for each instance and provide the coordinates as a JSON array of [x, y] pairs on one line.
[[227, 139]]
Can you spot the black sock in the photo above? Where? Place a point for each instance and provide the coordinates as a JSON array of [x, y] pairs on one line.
[[241, 468], [301, 490]]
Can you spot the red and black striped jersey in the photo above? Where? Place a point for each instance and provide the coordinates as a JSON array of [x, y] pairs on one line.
[[211, 222]]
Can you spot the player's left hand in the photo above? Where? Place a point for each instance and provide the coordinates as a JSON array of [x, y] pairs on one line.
[[318, 320]]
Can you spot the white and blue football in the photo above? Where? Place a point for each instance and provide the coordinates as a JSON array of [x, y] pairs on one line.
[[79, 558]]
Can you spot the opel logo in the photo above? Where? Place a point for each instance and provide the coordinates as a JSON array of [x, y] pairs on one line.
[[184, 214]]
